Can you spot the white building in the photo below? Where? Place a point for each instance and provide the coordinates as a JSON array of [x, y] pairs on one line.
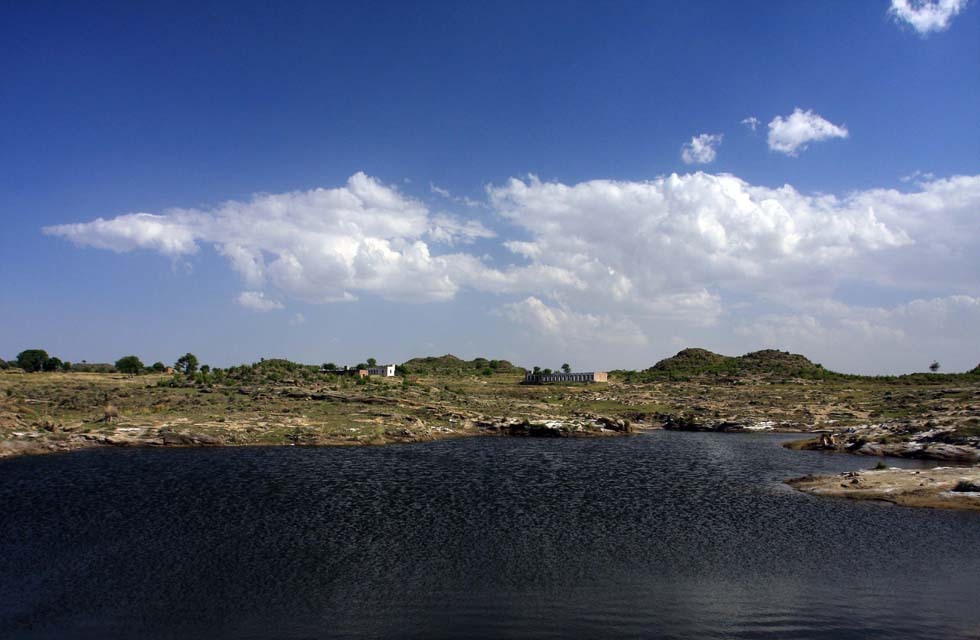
[[384, 370]]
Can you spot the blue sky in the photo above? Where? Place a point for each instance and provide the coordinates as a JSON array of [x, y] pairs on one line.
[[844, 226]]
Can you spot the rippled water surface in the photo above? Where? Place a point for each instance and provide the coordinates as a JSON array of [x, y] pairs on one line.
[[663, 535]]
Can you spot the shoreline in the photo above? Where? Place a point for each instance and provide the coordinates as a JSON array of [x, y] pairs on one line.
[[936, 488], [922, 488]]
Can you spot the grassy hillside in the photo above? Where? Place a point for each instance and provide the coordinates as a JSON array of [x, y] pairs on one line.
[[696, 363], [451, 365]]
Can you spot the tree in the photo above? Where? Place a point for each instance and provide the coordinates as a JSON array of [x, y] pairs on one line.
[[52, 364], [205, 369], [4, 364], [186, 364], [329, 366], [547, 372], [537, 370], [361, 365], [372, 362], [66, 366], [129, 364], [32, 360], [934, 367], [567, 368], [158, 366]]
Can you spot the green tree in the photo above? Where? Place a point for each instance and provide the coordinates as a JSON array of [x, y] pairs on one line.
[[4, 364], [186, 364], [934, 367], [361, 365], [66, 366], [372, 362], [547, 372], [129, 364], [32, 360], [537, 370], [567, 368], [329, 366], [158, 366], [52, 364], [205, 369]]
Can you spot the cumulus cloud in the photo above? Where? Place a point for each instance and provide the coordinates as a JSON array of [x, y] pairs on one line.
[[904, 337], [320, 245], [926, 16], [256, 301], [658, 244], [693, 256], [701, 149], [751, 122], [568, 326], [791, 134]]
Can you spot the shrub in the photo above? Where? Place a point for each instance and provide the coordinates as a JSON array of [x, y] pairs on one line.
[[966, 486]]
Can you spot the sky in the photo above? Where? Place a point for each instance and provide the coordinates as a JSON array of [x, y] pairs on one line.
[[598, 183]]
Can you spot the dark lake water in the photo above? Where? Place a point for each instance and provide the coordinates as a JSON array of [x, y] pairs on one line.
[[669, 535]]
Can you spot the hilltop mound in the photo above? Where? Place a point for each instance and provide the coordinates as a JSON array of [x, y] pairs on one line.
[[768, 362], [451, 365], [778, 362], [696, 360]]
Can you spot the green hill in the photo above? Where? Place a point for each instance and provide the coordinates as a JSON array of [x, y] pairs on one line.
[[451, 365], [690, 363]]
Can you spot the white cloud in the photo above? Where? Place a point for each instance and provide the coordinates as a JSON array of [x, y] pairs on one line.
[[905, 337], [791, 135], [706, 257], [919, 177], [256, 301], [751, 122], [640, 243], [297, 320], [320, 245], [450, 230], [701, 149], [564, 325], [926, 16]]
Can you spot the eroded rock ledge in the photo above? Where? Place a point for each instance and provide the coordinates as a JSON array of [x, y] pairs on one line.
[[938, 488]]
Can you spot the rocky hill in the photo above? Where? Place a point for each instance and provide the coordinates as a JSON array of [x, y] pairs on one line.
[[451, 365], [690, 363]]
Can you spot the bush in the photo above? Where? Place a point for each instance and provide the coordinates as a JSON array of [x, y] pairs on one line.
[[880, 466], [966, 486]]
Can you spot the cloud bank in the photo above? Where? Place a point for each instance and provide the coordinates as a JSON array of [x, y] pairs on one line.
[[673, 260]]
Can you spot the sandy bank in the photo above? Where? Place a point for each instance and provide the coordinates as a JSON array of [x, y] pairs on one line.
[[938, 488]]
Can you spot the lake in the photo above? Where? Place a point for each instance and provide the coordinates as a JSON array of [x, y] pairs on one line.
[[666, 534]]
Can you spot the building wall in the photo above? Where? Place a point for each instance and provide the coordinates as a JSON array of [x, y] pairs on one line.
[[385, 370], [588, 376]]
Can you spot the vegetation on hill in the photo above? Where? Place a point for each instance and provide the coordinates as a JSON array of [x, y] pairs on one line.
[[451, 365], [695, 363]]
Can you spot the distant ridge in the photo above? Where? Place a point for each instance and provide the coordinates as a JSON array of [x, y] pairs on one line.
[[451, 365], [697, 362]]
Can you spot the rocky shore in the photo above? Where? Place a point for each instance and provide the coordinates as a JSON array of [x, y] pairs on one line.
[[938, 488], [899, 439]]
